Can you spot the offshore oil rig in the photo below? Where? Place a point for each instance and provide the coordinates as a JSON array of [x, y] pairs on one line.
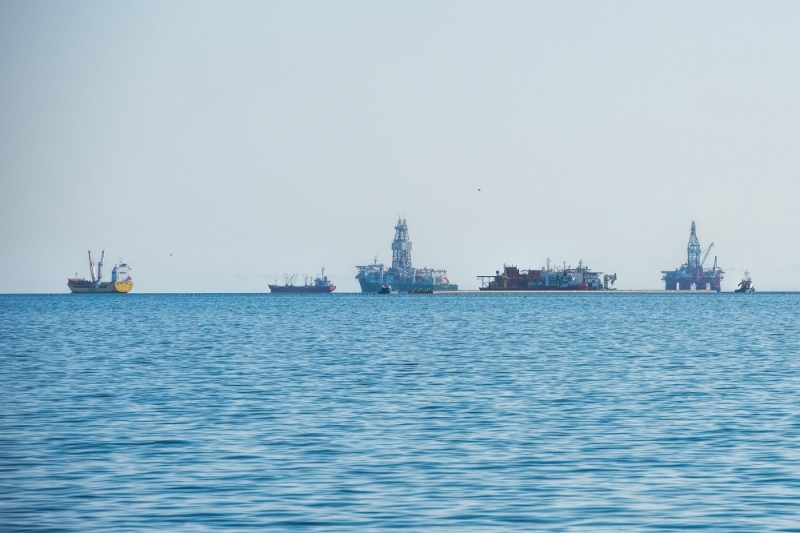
[[692, 274], [402, 276]]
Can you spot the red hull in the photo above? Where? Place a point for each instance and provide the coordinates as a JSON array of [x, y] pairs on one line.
[[302, 289], [579, 287]]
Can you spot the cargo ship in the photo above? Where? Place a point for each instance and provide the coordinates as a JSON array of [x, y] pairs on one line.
[[581, 278], [320, 284], [121, 280], [402, 276]]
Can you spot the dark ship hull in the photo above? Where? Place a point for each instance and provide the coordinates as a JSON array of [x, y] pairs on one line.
[[84, 286], [580, 287], [366, 286], [302, 289]]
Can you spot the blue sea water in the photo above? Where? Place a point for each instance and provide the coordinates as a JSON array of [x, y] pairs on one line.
[[356, 412]]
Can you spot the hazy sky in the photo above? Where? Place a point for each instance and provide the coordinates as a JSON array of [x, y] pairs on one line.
[[249, 139]]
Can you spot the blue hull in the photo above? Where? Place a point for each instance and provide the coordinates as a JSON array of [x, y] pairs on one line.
[[405, 287]]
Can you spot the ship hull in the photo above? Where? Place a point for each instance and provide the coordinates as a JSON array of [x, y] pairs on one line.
[[306, 289], [405, 287], [118, 287], [582, 287]]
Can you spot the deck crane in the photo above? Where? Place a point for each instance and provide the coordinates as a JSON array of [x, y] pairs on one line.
[[705, 255], [100, 266], [91, 268]]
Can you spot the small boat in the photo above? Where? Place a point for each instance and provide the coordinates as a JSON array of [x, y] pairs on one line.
[[386, 289], [421, 291], [746, 285]]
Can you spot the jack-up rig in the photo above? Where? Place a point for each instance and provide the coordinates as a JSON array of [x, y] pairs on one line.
[[692, 274]]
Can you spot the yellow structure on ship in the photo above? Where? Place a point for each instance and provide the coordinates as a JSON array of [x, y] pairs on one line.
[[121, 280]]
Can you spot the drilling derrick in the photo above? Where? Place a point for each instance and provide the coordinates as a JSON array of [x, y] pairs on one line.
[[692, 274], [401, 246], [402, 276], [693, 250]]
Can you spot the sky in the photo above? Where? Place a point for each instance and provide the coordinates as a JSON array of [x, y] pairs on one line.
[[215, 146]]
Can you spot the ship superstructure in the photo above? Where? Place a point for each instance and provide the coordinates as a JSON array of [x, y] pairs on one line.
[[320, 284], [402, 276], [566, 278], [692, 274], [121, 280], [746, 285]]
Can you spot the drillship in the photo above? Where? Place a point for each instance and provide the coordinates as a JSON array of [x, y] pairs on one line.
[[402, 276], [581, 278], [121, 280], [321, 284]]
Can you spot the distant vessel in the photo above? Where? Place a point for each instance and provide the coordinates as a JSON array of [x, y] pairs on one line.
[[121, 280], [548, 279], [746, 285], [401, 276], [320, 284]]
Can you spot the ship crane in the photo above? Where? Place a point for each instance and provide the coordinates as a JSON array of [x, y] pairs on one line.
[[100, 266], [705, 255], [91, 268]]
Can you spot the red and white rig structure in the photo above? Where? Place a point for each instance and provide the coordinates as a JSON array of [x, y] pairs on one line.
[[692, 275]]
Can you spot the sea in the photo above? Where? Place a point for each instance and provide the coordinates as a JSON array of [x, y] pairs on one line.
[[352, 412]]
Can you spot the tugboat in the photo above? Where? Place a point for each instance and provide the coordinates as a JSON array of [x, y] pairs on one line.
[[121, 280], [386, 289], [746, 285], [321, 284]]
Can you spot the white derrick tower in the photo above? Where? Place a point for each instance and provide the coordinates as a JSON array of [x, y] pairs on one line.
[[401, 246], [693, 250]]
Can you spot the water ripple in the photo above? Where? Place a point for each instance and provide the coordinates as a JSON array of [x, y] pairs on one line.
[[554, 412]]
